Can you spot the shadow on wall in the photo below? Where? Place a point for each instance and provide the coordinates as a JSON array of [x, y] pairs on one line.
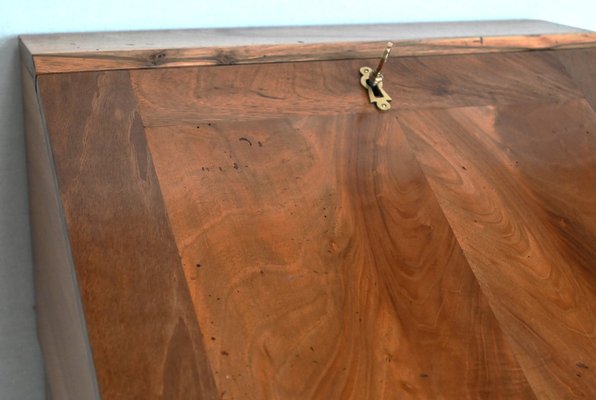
[[13, 193], [21, 373]]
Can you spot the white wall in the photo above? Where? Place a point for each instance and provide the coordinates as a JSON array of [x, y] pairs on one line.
[[21, 373]]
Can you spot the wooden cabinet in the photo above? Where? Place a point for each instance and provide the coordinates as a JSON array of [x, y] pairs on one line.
[[221, 214]]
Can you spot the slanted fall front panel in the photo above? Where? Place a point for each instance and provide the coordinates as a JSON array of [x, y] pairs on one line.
[[262, 231], [321, 266]]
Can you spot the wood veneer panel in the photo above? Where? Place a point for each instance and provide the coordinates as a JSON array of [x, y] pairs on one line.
[[321, 266], [518, 186], [158, 49], [143, 332], [580, 64], [350, 282], [191, 95], [60, 324]]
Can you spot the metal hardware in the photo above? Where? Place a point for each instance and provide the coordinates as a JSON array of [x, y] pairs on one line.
[[372, 80]]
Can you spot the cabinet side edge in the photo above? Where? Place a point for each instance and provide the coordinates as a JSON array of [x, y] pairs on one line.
[[69, 369]]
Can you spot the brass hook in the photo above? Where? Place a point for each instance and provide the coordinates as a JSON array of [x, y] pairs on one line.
[[372, 81], [376, 76]]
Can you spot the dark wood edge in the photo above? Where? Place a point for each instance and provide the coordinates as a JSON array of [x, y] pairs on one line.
[[109, 51], [579, 65], [26, 58], [61, 325], [168, 334]]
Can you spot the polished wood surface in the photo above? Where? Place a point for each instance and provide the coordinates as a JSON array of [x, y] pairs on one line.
[[143, 332], [580, 67], [61, 328], [518, 186], [261, 231], [59, 53], [321, 265], [194, 95]]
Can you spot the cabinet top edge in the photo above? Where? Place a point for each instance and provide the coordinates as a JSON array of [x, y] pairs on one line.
[[78, 52]]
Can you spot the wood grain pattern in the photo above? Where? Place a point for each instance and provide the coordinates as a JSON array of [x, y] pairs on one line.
[[518, 186], [193, 95], [161, 49], [262, 232], [579, 64], [143, 333], [321, 266], [60, 322]]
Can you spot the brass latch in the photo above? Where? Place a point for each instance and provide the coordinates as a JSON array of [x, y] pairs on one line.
[[372, 80]]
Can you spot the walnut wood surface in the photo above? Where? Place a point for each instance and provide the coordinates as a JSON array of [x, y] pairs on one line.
[[321, 265], [160, 49], [261, 231], [191, 95], [144, 336], [518, 186], [61, 328], [580, 66]]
